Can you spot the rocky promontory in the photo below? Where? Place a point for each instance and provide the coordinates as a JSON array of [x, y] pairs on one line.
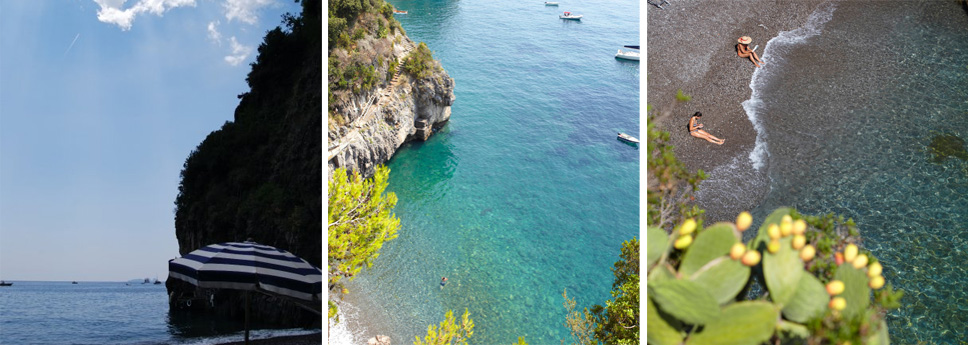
[[384, 90]]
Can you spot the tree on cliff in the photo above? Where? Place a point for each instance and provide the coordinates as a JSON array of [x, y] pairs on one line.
[[360, 220], [618, 321], [260, 175]]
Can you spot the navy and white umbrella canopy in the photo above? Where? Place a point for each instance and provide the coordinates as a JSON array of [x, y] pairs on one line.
[[249, 266]]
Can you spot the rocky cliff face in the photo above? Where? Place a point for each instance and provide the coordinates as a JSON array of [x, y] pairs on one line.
[[260, 176], [399, 109]]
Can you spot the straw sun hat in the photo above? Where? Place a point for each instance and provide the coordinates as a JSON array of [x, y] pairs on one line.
[[745, 40]]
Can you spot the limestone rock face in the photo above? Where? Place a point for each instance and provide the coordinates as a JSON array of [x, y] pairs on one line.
[[395, 111], [379, 340]]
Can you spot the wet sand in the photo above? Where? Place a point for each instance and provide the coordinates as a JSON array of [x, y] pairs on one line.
[[692, 47]]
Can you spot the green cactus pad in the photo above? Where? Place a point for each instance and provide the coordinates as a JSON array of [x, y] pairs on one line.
[[713, 242], [809, 301], [773, 218], [658, 243], [685, 300], [743, 323], [782, 272], [856, 291], [793, 328], [723, 278], [660, 332], [662, 272], [880, 337]]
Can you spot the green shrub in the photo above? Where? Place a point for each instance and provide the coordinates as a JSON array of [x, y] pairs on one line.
[[382, 30], [359, 34], [420, 62]]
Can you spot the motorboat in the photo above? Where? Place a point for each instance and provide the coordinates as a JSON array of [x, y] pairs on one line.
[[632, 54], [73, 282], [3, 283], [550, 3], [399, 12], [569, 15], [628, 138]]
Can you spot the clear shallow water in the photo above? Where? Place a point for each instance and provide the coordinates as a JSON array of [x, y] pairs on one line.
[[107, 313], [847, 117], [526, 191]]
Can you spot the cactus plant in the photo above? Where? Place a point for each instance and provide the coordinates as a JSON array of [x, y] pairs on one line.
[[693, 290], [741, 323]]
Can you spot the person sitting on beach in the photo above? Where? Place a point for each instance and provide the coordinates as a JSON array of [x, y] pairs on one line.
[[695, 129], [743, 50]]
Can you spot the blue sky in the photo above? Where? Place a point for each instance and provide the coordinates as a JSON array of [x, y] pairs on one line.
[[100, 103]]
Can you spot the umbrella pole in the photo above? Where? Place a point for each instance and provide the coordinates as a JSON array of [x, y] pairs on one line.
[[246, 317]]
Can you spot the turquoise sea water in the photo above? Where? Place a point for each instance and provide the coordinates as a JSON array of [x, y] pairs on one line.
[[526, 192], [108, 313], [848, 109]]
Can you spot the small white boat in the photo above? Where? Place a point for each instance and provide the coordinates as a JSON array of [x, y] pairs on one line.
[[628, 138], [549, 3], [568, 15], [399, 12], [627, 55]]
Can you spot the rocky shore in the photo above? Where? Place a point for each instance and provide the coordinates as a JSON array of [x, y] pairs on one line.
[[399, 109], [692, 47]]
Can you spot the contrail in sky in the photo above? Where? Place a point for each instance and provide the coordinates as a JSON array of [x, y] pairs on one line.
[[72, 43]]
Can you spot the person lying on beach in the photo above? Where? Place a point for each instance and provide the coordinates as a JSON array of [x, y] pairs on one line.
[[695, 129], [743, 50]]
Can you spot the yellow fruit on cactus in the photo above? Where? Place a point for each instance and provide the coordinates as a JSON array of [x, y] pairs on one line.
[[683, 242], [807, 253], [799, 241], [751, 258], [773, 231], [876, 282], [860, 261], [786, 228], [737, 251], [345, 291], [837, 303], [786, 218], [835, 287], [743, 221], [774, 246], [687, 227], [874, 269], [850, 253], [799, 227]]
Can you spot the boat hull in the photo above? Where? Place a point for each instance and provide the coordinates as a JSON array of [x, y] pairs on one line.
[[570, 18]]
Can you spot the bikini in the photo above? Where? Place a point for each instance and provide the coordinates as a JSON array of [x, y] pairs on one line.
[[697, 128]]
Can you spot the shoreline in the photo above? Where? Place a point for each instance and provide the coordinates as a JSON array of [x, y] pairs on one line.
[[305, 339], [698, 55]]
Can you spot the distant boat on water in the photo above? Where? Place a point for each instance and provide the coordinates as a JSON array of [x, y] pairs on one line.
[[3, 283], [156, 281], [74, 282], [399, 12], [568, 15], [550, 3], [628, 54], [147, 281], [628, 138]]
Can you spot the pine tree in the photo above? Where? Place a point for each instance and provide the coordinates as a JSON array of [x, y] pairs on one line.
[[361, 219]]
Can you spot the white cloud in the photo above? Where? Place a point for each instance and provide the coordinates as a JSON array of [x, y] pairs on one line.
[[111, 12], [213, 33], [239, 52], [244, 10]]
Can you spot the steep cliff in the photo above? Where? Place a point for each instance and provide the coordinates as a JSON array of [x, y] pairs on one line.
[[384, 89], [259, 176]]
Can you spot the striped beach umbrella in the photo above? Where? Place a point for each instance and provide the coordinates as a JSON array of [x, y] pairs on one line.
[[249, 266]]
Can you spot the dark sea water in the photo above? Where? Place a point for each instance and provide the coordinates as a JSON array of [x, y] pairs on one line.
[[526, 192], [845, 110], [51, 313]]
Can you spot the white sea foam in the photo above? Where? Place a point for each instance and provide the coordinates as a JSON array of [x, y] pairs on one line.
[[772, 58], [340, 333]]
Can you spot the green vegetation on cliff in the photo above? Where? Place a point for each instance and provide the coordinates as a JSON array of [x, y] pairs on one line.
[[617, 322], [259, 176]]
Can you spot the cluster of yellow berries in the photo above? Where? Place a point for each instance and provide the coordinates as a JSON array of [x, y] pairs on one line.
[[789, 227], [859, 261], [739, 251], [685, 234]]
